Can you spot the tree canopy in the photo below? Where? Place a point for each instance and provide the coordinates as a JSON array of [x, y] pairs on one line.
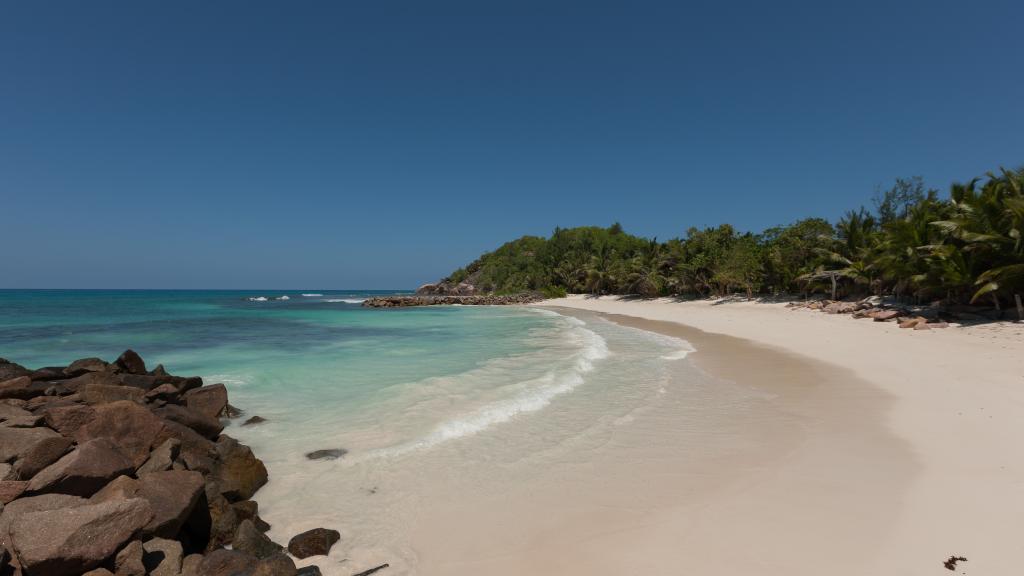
[[912, 244]]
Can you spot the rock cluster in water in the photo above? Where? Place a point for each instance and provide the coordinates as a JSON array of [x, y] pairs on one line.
[[437, 300], [110, 469]]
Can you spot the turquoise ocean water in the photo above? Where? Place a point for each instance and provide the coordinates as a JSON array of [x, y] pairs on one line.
[[432, 403]]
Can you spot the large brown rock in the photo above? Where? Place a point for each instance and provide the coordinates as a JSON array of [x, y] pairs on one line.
[[190, 565], [227, 563], [84, 471], [194, 419], [128, 425], [16, 442], [249, 510], [250, 540], [162, 557], [23, 506], [141, 381], [172, 495], [162, 458], [912, 322], [9, 370], [315, 542], [208, 400], [41, 455], [93, 394], [131, 362], [223, 519], [106, 377], [48, 373], [70, 541], [885, 315], [164, 393], [128, 561], [9, 412], [79, 367], [239, 473], [11, 490], [20, 388], [68, 419], [197, 452], [276, 565]]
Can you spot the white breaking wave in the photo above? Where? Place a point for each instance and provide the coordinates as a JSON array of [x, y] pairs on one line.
[[311, 295], [541, 391], [257, 299], [684, 347], [682, 353], [283, 298], [346, 300]]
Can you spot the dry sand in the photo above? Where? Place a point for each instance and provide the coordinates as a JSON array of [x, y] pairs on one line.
[[886, 451]]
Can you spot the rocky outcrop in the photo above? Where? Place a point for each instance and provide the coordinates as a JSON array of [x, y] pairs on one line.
[[69, 541], [445, 288], [429, 300], [327, 454], [107, 469]]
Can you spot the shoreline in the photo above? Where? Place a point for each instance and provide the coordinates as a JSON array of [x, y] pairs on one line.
[[935, 448]]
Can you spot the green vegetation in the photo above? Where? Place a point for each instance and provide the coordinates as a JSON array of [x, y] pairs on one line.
[[913, 245]]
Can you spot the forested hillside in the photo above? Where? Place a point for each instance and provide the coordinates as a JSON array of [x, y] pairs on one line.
[[913, 243]]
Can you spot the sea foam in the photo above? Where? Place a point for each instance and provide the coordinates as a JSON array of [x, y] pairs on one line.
[[536, 394]]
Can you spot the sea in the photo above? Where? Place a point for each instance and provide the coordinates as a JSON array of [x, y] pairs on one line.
[[433, 406]]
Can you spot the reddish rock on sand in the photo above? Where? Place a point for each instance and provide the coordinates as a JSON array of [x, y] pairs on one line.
[[315, 542]]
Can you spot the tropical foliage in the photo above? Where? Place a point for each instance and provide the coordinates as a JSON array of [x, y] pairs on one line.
[[912, 244]]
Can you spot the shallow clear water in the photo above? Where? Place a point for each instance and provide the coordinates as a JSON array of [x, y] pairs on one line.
[[433, 404]]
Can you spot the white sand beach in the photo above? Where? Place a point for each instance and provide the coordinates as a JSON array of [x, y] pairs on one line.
[[886, 451]]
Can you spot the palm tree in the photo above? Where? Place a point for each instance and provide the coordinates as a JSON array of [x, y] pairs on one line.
[[988, 223], [600, 273], [646, 276]]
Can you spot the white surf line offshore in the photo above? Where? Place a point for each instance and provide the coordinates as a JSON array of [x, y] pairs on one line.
[[593, 348]]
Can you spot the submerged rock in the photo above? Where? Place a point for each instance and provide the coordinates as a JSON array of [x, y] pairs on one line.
[[327, 454]]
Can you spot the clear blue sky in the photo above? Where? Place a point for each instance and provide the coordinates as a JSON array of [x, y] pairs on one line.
[[380, 144]]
